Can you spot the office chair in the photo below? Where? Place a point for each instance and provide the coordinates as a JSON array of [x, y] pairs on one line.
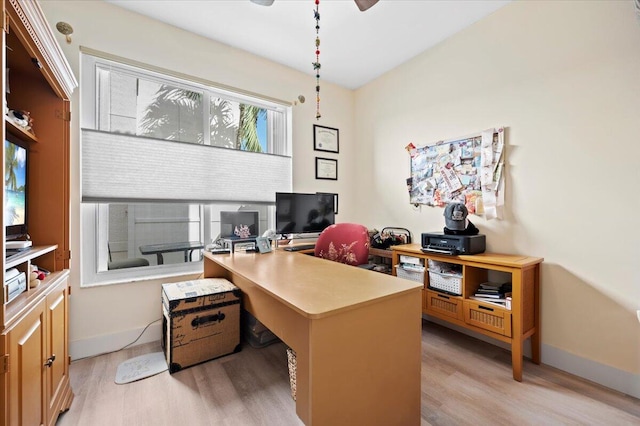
[[346, 243]]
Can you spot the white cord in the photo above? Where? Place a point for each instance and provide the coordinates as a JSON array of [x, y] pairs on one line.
[[125, 346]]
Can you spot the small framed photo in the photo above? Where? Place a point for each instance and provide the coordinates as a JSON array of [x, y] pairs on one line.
[[326, 139], [263, 244], [326, 168]]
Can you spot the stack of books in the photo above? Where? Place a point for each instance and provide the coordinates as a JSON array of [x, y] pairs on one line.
[[494, 293]]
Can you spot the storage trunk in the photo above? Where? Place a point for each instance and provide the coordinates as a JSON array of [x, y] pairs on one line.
[[201, 321]]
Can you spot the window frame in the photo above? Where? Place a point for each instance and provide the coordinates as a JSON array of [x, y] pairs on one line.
[[92, 255], [94, 227]]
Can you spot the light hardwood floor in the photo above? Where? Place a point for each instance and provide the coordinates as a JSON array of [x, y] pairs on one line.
[[464, 382]]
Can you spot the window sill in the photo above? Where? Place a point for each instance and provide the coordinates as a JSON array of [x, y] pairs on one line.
[[127, 276]]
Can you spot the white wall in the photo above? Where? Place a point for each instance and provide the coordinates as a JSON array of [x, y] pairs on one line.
[[106, 318], [563, 77]]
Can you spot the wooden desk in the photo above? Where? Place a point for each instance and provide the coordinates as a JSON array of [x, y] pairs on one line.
[[356, 333], [158, 249]]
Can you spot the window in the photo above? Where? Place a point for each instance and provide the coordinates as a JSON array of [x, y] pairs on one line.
[[161, 157]]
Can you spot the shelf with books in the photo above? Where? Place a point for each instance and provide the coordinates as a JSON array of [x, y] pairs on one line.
[[498, 296]]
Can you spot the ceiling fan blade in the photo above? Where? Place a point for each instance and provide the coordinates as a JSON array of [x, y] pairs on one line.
[[263, 2], [365, 4]]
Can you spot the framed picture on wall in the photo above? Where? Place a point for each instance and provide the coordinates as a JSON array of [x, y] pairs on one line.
[[326, 168], [326, 139]]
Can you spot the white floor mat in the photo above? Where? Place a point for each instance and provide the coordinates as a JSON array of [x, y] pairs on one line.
[[141, 367]]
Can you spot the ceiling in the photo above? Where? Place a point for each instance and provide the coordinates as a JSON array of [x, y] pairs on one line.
[[356, 47]]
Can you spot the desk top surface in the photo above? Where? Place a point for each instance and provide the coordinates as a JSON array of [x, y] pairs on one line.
[[313, 286]]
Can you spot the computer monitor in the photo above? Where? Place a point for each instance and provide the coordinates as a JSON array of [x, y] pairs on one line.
[[298, 213], [15, 178], [239, 224]]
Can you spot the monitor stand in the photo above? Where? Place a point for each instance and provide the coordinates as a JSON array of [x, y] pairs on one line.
[[248, 243]]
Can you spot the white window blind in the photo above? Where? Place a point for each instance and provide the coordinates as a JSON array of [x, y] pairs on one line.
[[120, 167]]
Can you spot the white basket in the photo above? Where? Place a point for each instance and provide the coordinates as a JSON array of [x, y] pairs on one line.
[[435, 265], [444, 267], [408, 274], [447, 282], [411, 260]]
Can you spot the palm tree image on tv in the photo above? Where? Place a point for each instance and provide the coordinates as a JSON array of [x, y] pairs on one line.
[[14, 179], [176, 114]]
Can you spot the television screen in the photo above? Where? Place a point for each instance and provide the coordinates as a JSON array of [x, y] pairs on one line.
[[239, 224], [15, 180], [303, 213]]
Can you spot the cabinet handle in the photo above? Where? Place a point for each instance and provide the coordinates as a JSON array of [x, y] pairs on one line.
[[485, 308], [443, 296], [50, 360]]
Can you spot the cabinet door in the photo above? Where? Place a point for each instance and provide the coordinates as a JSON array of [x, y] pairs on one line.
[[56, 364], [26, 342]]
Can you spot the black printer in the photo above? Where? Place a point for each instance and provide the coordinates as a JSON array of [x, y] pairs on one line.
[[441, 243]]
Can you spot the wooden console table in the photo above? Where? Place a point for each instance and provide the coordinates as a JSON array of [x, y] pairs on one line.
[[512, 326], [356, 333]]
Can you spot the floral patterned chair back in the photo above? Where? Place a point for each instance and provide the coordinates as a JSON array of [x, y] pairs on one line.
[[345, 243]]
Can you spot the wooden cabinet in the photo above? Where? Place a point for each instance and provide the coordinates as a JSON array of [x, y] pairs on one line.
[[58, 393], [34, 367], [512, 326], [36, 358], [25, 346]]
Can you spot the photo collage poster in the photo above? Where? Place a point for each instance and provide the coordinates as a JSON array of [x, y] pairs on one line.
[[467, 170]]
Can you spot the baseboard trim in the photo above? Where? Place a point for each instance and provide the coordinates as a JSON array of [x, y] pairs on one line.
[[613, 378], [605, 375], [99, 345], [621, 381]]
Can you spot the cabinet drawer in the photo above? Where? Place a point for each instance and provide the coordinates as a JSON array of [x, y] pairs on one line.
[[443, 304], [495, 319]]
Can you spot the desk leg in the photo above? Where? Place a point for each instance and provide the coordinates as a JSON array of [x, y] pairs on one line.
[[160, 258], [363, 365]]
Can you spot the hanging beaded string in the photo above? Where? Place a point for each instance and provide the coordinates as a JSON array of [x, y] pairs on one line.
[[316, 64]]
